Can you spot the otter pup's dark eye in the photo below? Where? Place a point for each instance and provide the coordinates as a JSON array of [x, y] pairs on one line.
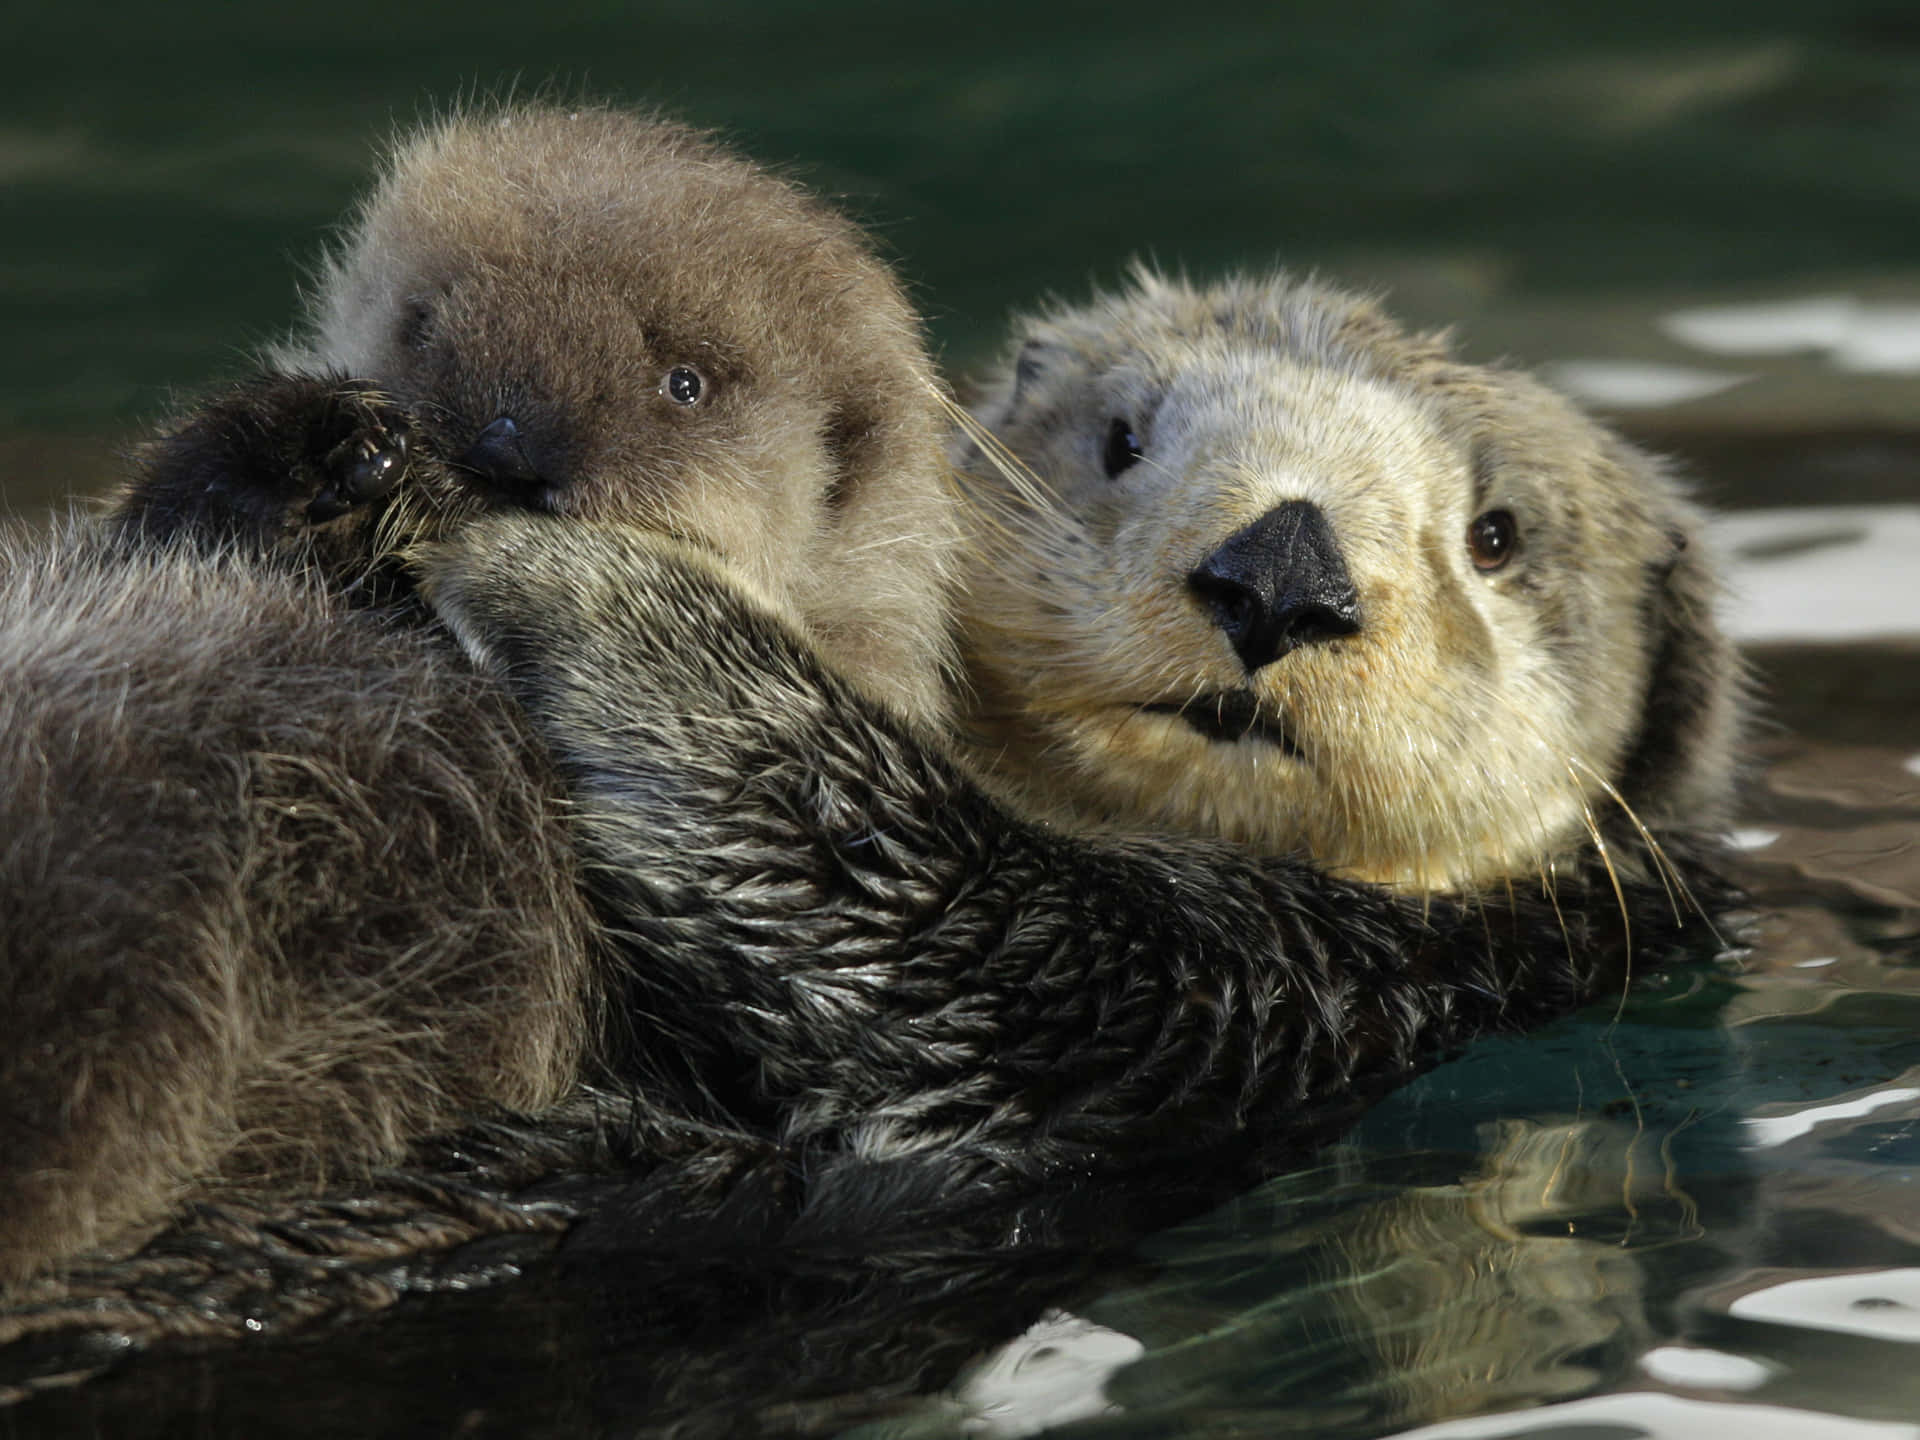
[[1123, 447], [683, 385], [1490, 537]]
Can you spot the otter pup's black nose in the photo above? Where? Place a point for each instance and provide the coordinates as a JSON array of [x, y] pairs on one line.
[[1278, 584], [499, 454]]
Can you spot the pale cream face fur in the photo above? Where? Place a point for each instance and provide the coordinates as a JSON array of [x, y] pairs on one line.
[[555, 266], [1476, 718]]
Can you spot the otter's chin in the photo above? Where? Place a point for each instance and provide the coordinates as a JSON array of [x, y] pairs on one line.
[[1355, 808]]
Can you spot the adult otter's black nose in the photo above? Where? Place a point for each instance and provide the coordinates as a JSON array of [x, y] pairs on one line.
[[499, 454], [1278, 584]]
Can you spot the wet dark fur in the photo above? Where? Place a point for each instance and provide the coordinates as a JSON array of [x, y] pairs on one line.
[[861, 948]]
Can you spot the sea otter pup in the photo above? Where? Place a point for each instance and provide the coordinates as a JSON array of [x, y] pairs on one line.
[[283, 881], [601, 316], [1258, 563]]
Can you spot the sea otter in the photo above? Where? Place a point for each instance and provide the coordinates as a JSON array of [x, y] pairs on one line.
[[1273, 639], [811, 923], [1253, 561], [600, 316]]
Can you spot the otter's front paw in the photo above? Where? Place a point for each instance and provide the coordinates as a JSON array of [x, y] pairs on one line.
[[524, 592], [270, 459], [367, 462], [600, 616]]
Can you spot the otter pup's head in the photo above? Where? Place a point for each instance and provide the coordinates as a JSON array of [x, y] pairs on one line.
[[1295, 577], [608, 316]]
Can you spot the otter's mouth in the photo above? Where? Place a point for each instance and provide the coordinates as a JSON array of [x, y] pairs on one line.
[[1230, 716]]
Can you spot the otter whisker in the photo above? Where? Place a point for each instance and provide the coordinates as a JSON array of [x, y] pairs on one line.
[[1620, 897], [1589, 822], [1127, 717], [1153, 464], [997, 514], [1146, 708], [1015, 471], [438, 409], [1669, 873], [1550, 887]]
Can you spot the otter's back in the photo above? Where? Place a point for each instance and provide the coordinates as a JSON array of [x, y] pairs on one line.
[[281, 882]]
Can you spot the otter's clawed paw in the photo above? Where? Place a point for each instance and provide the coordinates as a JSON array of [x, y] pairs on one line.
[[355, 448], [365, 466], [270, 460]]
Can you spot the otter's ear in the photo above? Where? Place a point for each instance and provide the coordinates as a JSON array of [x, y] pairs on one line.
[[851, 441], [1683, 763], [1037, 359]]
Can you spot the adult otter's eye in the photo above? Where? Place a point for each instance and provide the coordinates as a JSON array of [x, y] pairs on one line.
[[1123, 447], [683, 385], [1490, 537]]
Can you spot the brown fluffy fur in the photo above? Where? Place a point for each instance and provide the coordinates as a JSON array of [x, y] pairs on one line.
[[284, 886], [1476, 727], [554, 265]]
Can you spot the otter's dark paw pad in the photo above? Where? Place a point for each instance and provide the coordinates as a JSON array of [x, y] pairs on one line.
[[365, 466]]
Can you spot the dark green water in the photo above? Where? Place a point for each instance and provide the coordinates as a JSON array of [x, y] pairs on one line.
[[1524, 1227], [168, 169]]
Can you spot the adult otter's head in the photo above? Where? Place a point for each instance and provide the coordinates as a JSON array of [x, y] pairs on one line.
[[607, 316], [1298, 578]]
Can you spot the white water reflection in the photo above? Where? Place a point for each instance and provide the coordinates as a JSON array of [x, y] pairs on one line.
[[1781, 327], [1635, 385], [1860, 336], [1663, 1417], [1055, 1373], [1822, 573], [1697, 1368], [1766, 1131], [1882, 1304]]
